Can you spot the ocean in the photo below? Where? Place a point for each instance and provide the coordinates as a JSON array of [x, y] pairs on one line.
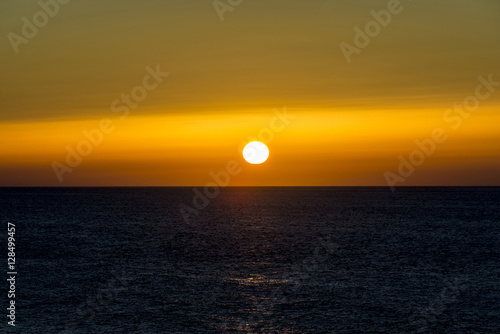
[[253, 260]]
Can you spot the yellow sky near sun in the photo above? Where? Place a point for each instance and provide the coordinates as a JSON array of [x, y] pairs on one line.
[[351, 148]]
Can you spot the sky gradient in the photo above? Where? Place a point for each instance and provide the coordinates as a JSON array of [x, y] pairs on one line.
[[227, 80]]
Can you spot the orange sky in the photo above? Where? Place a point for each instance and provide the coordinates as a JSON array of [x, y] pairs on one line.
[[228, 80]]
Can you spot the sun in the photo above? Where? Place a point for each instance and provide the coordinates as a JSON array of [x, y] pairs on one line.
[[255, 152]]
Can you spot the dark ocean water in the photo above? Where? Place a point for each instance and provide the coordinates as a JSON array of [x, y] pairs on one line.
[[255, 260]]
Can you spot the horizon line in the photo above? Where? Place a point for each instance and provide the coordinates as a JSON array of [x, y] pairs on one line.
[[202, 186]]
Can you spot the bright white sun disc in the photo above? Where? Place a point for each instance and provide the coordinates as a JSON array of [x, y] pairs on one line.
[[255, 152]]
